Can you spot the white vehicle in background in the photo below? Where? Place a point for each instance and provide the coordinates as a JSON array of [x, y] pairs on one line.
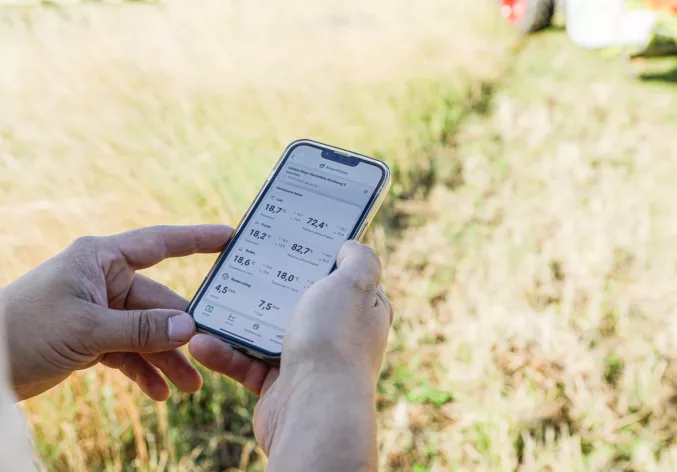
[[600, 24]]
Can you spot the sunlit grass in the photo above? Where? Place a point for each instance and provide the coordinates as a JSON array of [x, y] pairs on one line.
[[528, 245], [537, 306], [119, 117]]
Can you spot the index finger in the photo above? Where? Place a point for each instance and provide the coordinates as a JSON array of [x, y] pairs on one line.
[[145, 247], [255, 375]]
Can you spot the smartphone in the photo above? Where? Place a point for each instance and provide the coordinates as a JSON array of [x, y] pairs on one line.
[[316, 197]]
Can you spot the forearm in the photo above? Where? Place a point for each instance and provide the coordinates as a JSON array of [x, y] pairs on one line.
[[19, 392], [15, 451], [330, 425]]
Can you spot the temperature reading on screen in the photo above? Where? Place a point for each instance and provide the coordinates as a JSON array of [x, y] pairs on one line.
[[242, 261], [255, 233], [287, 242], [286, 276], [274, 208]]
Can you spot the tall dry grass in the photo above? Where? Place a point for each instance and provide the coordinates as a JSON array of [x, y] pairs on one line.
[[528, 244], [118, 117]]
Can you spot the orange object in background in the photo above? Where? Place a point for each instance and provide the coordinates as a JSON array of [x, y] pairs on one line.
[[663, 5]]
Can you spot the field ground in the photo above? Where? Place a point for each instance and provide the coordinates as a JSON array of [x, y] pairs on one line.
[[528, 244], [539, 333]]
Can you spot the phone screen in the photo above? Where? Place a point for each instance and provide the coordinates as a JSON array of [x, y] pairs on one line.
[[290, 239]]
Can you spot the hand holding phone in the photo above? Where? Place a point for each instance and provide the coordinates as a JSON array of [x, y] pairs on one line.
[[315, 199], [332, 355]]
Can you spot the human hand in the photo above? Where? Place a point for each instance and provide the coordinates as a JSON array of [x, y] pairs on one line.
[[88, 305], [330, 364]]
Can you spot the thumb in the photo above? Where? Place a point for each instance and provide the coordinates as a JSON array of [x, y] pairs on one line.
[[142, 330], [359, 264]]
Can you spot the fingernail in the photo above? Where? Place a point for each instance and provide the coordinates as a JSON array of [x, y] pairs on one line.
[[181, 328]]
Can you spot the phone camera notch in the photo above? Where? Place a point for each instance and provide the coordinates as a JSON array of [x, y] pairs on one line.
[[340, 158]]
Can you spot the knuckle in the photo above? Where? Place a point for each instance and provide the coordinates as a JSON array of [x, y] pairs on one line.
[[159, 231], [359, 282], [85, 243], [368, 251], [369, 278], [376, 262], [351, 245], [141, 328], [371, 260], [79, 265], [88, 321]]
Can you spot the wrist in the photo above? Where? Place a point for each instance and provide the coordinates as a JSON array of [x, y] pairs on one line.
[[3, 309], [308, 388], [326, 420], [4, 322], [310, 368]]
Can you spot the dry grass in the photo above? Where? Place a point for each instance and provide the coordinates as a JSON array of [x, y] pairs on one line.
[[151, 108], [118, 117], [543, 302], [529, 250]]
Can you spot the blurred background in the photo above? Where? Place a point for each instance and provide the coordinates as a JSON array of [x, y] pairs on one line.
[[529, 242]]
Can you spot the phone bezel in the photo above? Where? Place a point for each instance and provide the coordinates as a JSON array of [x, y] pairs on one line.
[[357, 232]]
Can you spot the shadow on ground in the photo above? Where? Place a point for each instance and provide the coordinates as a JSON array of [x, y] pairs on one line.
[[668, 77]]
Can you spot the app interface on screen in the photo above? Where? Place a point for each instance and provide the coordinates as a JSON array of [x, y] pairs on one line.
[[291, 240]]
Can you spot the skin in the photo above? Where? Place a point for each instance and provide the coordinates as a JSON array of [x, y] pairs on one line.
[[15, 451], [87, 305], [316, 411]]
